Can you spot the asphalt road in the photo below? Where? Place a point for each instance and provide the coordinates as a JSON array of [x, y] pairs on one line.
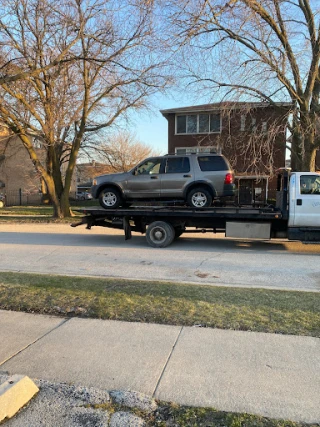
[[194, 258]]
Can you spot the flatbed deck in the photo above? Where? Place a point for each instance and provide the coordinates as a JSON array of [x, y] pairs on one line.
[[162, 224], [231, 212]]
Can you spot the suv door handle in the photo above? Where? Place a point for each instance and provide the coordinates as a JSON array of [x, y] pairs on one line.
[[299, 202], [186, 176], [154, 177]]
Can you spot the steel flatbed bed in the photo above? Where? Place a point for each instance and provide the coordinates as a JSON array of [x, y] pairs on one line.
[[164, 223]]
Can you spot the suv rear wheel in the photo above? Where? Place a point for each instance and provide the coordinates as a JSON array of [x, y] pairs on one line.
[[199, 198], [110, 198]]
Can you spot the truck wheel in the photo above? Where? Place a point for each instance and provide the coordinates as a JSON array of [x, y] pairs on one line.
[[160, 234], [199, 198], [109, 198]]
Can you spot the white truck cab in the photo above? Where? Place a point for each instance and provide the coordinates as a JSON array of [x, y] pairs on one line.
[[304, 199]]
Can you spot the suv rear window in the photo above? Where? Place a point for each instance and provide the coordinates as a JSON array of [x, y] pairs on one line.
[[213, 163]]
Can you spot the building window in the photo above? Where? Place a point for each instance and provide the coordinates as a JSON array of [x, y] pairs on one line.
[[243, 123], [253, 124], [192, 124], [181, 124], [215, 123], [198, 123], [204, 120], [37, 143], [264, 127]]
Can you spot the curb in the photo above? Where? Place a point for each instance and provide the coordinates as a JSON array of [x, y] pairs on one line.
[[14, 394]]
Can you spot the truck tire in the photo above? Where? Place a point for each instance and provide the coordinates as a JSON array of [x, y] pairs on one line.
[[160, 234], [199, 198], [110, 198]]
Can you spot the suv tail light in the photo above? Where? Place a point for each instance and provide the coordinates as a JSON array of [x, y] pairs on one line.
[[228, 178]]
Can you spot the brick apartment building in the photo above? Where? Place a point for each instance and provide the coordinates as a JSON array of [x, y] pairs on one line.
[[19, 180], [251, 135]]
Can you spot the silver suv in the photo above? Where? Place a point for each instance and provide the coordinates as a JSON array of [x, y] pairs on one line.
[[195, 178]]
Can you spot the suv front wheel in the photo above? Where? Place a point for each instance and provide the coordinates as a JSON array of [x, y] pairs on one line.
[[110, 198], [199, 198]]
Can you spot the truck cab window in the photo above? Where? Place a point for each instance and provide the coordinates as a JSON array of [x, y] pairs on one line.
[[310, 184]]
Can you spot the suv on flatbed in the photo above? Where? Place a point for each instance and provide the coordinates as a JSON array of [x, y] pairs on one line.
[[194, 178]]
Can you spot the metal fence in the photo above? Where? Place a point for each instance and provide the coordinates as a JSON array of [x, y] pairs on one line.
[[22, 198]]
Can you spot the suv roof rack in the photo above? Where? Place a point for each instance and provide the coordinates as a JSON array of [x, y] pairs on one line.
[[197, 150]]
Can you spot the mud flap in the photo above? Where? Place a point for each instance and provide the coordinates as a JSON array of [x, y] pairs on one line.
[[127, 228]]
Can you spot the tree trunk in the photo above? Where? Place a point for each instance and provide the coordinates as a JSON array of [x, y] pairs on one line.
[[303, 158], [65, 205], [45, 199], [296, 152], [309, 152], [57, 213], [310, 160]]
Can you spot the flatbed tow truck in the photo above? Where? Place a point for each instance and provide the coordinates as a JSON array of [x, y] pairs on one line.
[[296, 216]]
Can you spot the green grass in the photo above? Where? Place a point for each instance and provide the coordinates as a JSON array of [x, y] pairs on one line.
[[185, 416], [27, 210], [31, 214], [261, 310], [42, 209], [174, 415]]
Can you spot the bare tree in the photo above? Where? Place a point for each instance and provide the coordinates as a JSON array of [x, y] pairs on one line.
[[266, 50], [14, 64], [112, 72], [122, 152]]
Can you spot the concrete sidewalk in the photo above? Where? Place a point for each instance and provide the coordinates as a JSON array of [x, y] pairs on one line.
[[271, 375]]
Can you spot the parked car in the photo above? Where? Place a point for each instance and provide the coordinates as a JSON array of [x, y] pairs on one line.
[[2, 201], [83, 195], [197, 179]]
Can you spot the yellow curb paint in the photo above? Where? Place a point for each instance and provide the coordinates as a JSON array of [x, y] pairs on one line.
[[14, 394]]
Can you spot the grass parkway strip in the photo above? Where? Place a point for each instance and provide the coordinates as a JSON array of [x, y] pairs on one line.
[[272, 311], [259, 310]]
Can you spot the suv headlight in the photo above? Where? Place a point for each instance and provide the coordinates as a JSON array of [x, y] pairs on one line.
[[94, 182]]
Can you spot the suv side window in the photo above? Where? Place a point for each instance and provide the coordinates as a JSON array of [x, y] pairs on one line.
[[150, 166], [177, 165], [212, 163]]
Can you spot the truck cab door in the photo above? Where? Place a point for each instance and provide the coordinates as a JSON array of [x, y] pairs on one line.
[[305, 200]]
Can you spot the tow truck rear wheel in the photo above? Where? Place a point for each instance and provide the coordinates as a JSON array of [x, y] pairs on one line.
[[160, 234]]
